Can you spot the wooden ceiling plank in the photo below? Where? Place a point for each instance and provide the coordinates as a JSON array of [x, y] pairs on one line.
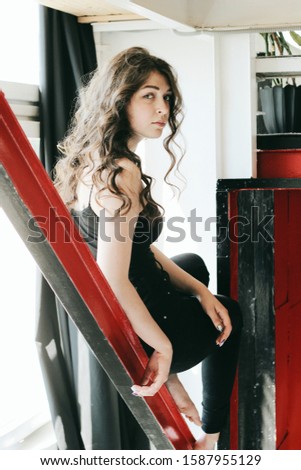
[[109, 18], [84, 8]]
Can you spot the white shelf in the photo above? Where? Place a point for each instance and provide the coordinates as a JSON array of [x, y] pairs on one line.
[[280, 66]]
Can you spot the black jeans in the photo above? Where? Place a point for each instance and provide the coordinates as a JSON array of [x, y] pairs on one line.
[[218, 363]]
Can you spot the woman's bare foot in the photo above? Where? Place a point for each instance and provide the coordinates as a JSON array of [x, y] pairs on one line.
[[183, 401], [206, 441]]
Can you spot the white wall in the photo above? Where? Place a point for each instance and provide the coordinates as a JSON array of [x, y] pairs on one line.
[[236, 105]]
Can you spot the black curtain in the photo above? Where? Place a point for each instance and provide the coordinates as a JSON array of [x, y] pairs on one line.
[[86, 410]]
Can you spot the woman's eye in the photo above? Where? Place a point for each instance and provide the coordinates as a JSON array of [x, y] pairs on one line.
[[168, 97], [149, 96]]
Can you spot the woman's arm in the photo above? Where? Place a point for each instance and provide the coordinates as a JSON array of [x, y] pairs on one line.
[[188, 284], [114, 256]]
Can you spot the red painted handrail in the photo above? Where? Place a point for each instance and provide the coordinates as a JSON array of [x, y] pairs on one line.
[[39, 196]]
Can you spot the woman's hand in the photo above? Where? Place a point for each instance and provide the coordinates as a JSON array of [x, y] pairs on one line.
[[218, 314], [156, 374]]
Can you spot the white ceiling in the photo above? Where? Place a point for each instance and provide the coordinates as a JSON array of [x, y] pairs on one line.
[[212, 15]]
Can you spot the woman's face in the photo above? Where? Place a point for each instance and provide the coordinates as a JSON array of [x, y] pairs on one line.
[[149, 108]]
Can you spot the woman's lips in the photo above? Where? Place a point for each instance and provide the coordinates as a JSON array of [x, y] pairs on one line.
[[160, 123]]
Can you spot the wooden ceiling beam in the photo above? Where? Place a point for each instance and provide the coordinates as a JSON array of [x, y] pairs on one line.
[[109, 18]]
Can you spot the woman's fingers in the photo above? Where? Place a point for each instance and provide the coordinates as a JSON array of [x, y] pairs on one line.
[[226, 327], [147, 390], [148, 377], [218, 315], [151, 383], [156, 374], [221, 320]]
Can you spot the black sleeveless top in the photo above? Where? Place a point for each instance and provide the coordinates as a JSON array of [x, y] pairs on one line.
[[145, 272]]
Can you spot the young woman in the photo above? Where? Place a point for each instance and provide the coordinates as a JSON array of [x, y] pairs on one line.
[[178, 320]]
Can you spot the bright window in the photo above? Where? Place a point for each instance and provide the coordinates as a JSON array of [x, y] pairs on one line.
[[23, 404], [19, 39]]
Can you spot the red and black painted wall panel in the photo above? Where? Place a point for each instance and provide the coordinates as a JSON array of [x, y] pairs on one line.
[[259, 264]]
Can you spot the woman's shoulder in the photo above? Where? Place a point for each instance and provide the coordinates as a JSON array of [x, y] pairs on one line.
[[131, 167], [128, 182]]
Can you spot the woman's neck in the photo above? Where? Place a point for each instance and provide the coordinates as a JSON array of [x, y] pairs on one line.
[[133, 143]]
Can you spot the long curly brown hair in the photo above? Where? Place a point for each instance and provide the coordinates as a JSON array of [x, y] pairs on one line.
[[100, 131]]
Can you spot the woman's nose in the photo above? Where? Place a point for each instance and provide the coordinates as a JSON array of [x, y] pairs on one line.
[[163, 107]]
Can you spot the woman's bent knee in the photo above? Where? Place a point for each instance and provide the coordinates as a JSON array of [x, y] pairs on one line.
[[194, 265]]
